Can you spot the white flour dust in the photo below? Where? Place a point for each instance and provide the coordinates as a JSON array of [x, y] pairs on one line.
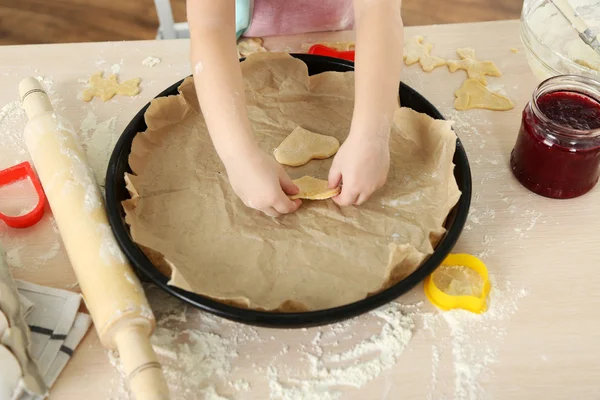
[[204, 354], [470, 341], [150, 61], [98, 138]]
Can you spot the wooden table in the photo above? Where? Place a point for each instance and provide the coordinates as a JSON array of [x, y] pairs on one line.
[[544, 254]]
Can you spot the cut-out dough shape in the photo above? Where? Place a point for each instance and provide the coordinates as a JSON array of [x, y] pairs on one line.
[[473, 94], [415, 51], [247, 46], [107, 88], [10, 373], [314, 189], [302, 145], [475, 69]]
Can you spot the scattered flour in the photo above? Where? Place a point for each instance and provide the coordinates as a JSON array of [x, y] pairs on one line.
[[150, 61], [98, 139], [473, 340], [200, 353]]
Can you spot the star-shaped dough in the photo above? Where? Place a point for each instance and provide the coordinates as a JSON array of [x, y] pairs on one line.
[[415, 51], [475, 69], [473, 94], [107, 88]]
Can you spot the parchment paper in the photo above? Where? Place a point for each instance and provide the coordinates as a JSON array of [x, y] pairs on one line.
[[185, 215]]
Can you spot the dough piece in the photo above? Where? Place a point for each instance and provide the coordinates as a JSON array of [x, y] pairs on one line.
[[314, 189], [10, 373], [475, 69], [415, 51], [302, 145], [587, 64], [247, 46], [473, 94], [106, 89], [514, 50], [3, 324]]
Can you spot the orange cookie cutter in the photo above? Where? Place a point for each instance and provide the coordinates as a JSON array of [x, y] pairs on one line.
[[15, 174], [444, 301]]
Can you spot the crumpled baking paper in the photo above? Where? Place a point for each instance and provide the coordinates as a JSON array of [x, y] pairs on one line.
[[185, 215]]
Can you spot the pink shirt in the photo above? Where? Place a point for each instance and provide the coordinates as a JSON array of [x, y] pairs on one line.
[[291, 17]]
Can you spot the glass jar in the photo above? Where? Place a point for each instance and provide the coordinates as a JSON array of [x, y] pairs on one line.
[[557, 152]]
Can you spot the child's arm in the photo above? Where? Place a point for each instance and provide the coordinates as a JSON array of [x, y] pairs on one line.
[[255, 176], [362, 163]]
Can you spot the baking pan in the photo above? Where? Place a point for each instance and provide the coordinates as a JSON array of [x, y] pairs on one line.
[[116, 193]]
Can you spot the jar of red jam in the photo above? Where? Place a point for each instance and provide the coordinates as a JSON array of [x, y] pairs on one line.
[[557, 153]]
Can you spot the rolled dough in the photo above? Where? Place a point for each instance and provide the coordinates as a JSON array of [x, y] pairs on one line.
[[302, 145], [473, 94], [107, 88], [10, 373], [314, 189]]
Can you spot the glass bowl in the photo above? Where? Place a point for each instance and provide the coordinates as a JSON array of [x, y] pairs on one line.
[[552, 45]]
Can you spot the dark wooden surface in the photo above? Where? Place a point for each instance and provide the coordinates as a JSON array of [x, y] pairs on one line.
[[59, 21]]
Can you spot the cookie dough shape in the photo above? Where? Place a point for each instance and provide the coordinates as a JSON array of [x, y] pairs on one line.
[[107, 88], [314, 189], [302, 145], [415, 51], [473, 94], [10, 373], [475, 69], [247, 46]]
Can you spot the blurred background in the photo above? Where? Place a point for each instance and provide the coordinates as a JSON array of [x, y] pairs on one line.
[[60, 21]]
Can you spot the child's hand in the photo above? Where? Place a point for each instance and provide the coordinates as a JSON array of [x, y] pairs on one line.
[[362, 165], [261, 183]]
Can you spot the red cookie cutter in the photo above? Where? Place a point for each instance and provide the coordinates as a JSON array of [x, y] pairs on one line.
[[17, 173], [321, 50]]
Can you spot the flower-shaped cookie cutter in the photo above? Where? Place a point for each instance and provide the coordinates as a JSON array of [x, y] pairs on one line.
[[444, 301], [17, 173]]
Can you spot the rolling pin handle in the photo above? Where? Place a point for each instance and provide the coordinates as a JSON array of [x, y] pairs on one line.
[[141, 366], [34, 98]]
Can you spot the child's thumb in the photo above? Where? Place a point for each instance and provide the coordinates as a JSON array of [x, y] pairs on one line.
[[287, 185], [335, 177]]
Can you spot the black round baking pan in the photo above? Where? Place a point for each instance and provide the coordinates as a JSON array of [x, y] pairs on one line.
[[116, 193]]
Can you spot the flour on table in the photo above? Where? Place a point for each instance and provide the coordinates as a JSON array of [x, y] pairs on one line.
[[151, 61], [200, 353], [471, 340], [98, 139]]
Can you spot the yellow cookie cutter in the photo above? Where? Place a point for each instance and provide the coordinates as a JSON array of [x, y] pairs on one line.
[[447, 302]]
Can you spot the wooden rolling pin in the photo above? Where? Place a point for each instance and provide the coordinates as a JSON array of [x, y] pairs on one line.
[[112, 292]]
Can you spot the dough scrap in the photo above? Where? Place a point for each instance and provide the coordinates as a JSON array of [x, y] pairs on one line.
[[107, 88], [314, 189], [247, 46], [10, 373], [473, 94], [415, 51], [475, 69], [302, 145], [587, 64]]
